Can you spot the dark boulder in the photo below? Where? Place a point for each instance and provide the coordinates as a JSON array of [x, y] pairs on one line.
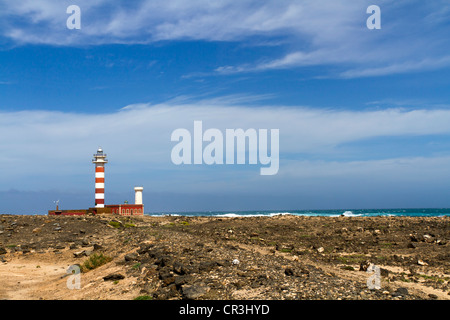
[[194, 291], [114, 277], [131, 257]]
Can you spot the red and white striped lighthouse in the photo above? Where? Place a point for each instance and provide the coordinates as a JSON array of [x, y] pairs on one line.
[[100, 161]]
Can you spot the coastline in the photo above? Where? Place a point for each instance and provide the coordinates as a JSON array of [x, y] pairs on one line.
[[228, 258]]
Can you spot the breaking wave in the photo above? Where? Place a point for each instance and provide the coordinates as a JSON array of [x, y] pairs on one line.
[[351, 214], [311, 213]]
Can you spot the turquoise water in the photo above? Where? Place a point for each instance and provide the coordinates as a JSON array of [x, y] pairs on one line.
[[330, 213]]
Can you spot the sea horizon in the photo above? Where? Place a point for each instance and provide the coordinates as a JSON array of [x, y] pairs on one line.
[[374, 212], [410, 212]]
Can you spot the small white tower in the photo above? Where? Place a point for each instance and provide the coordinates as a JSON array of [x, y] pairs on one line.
[[99, 161], [138, 195]]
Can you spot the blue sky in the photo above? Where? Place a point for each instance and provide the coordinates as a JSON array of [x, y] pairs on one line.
[[363, 114]]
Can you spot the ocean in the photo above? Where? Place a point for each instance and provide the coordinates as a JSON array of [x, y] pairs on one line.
[[431, 212]]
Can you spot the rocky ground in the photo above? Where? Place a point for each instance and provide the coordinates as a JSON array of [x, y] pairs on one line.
[[281, 257]]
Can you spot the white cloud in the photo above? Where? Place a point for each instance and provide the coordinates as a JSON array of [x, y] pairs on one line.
[[49, 145], [402, 67], [310, 33], [153, 20]]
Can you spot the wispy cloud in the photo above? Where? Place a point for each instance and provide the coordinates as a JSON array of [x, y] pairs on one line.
[[414, 34], [403, 67], [54, 144], [148, 21]]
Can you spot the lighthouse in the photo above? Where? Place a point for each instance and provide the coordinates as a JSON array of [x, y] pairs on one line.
[[138, 195], [125, 209], [100, 161]]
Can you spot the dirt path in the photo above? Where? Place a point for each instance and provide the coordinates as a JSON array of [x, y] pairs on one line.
[[32, 279], [27, 280]]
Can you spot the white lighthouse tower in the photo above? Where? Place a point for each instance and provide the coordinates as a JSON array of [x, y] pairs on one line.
[[99, 161], [138, 195]]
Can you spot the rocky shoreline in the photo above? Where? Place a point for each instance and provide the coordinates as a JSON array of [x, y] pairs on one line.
[[280, 258]]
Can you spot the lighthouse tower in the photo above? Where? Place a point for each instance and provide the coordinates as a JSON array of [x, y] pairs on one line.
[[138, 195], [99, 161]]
